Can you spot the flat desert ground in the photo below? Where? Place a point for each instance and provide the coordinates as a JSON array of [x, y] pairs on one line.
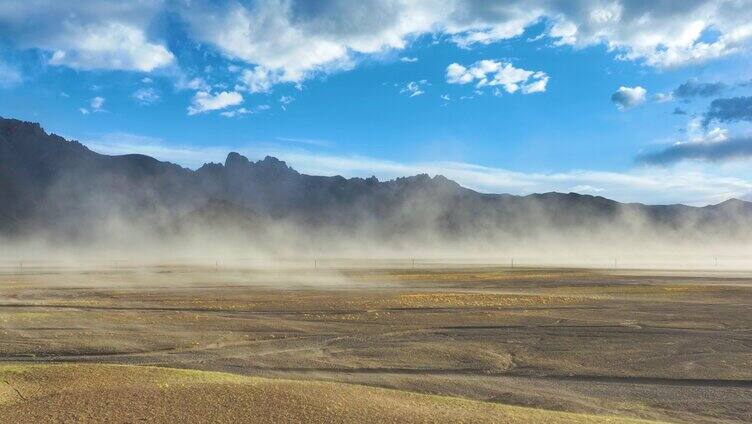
[[363, 342]]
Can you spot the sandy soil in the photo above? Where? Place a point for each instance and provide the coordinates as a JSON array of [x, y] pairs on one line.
[[673, 347]]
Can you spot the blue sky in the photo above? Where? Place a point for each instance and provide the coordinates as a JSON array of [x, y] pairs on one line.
[[634, 101]]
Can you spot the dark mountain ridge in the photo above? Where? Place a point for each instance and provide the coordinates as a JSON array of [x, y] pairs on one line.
[[47, 182]]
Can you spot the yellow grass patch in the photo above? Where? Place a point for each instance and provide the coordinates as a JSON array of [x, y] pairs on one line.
[[99, 393]]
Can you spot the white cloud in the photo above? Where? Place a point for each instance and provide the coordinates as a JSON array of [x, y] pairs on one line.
[[295, 39], [715, 135], [83, 111], [110, 46], [458, 74], [627, 97], [408, 59], [690, 183], [146, 95], [203, 101], [104, 34], [540, 81], [660, 34], [97, 103], [493, 73], [9, 76], [697, 133], [587, 189], [414, 88], [196, 84], [244, 111], [286, 100], [259, 79]]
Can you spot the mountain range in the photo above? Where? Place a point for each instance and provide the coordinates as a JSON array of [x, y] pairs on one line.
[[59, 186]]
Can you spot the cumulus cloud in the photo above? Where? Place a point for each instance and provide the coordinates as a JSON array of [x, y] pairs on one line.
[[695, 88], [110, 46], [732, 109], [627, 97], [146, 95], [662, 34], [414, 88], [490, 73], [296, 39], [104, 34], [287, 40], [203, 101]]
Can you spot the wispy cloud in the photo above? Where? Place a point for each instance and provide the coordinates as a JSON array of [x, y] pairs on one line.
[[244, 111], [414, 88], [285, 100], [9, 76], [146, 95], [97, 104], [308, 141]]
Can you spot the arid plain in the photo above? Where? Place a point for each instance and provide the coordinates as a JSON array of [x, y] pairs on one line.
[[344, 341]]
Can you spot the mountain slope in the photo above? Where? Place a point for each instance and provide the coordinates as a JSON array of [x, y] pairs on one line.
[[50, 183]]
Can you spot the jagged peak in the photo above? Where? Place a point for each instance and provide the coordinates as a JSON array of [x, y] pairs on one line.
[[270, 162], [27, 132], [16, 123], [13, 126], [211, 165], [235, 159]]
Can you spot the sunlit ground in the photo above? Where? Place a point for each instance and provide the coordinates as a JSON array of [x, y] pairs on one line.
[[665, 345]]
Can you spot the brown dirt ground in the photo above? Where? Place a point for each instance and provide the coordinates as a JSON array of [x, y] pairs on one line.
[[662, 346]]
